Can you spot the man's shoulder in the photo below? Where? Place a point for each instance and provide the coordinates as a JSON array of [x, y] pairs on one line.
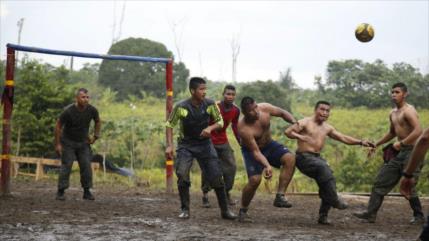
[[235, 107], [242, 123], [411, 108], [69, 108], [208, 101], [92, 108], [183, 103], [264, 105]]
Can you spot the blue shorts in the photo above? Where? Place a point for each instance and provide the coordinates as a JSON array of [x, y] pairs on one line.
[[273, 151]]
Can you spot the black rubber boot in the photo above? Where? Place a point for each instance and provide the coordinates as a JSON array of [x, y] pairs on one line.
[[323, 219], [323, 213], [184, 200], [206, 203], [87, 195], [374, 204], [340, 204], [416, 206], [60, 195], [231, 201], [223, 204]]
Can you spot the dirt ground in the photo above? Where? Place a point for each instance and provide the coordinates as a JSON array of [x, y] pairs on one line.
[[123, 213]]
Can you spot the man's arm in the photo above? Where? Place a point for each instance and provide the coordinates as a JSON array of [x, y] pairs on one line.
[[416, 158], [388, 136], [169, 149], [172, 121], [293, 131], [249, 142], [336, 135], [413, 119], [216, 116], [58, 146], [97, 128], [279, 112], [418, 153], [234, 126]]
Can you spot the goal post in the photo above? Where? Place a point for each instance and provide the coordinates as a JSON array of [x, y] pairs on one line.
[[8, 94]]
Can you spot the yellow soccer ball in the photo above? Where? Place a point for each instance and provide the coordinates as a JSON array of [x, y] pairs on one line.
[[364, 32]]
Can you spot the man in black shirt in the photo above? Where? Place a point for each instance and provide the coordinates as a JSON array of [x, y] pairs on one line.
[[195, 115], [72, 142]]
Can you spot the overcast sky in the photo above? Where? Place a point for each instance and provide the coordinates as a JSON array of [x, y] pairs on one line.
[[273, 35]]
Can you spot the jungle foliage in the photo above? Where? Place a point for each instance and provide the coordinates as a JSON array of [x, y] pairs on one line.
[[130, 99]]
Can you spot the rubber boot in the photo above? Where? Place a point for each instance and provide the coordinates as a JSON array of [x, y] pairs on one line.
[[87, 195], [374, 204], [231, 201], [223, 204], [206, 203], [60, 195], [323, 213], [184, 201], [416, 206]]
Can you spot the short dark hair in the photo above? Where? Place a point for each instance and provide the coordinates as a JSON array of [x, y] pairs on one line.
[[228, 87], [194, 82], [245, 102], [321, 102], [400, 85], [81, 90]]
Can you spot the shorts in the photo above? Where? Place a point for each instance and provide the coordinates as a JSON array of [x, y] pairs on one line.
[[273, 151]]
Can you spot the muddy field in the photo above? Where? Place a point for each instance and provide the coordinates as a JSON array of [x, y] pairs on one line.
[[122, 213]]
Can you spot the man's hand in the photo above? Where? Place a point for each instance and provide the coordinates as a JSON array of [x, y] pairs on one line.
[[169, 152], [367, 144], [397, 145], [206, 132], [59, 149], [91, 139], [371, 152], [268, 172], [406, 186]]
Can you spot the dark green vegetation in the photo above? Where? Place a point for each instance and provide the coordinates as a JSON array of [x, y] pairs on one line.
[[130, 98]]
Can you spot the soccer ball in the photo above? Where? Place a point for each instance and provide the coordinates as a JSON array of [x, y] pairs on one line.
[[364, 32]]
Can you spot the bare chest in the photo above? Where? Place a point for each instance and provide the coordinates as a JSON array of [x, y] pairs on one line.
[[260, 127], [398, 119], [317, 132]]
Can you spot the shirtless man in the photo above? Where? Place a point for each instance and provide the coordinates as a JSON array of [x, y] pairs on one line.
[[260, 152], [404, 124], [311, 133]]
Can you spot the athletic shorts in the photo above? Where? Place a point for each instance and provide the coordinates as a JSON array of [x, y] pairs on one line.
[[273, 151]]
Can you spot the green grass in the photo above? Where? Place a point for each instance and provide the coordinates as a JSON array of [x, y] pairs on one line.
[[358, 122]]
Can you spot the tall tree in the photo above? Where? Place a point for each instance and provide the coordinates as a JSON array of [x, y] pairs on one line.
[[131, 78], [41, 94], [266, 91], [356, 83]]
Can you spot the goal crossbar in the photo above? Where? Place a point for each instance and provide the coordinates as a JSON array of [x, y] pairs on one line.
[[88, 55]]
